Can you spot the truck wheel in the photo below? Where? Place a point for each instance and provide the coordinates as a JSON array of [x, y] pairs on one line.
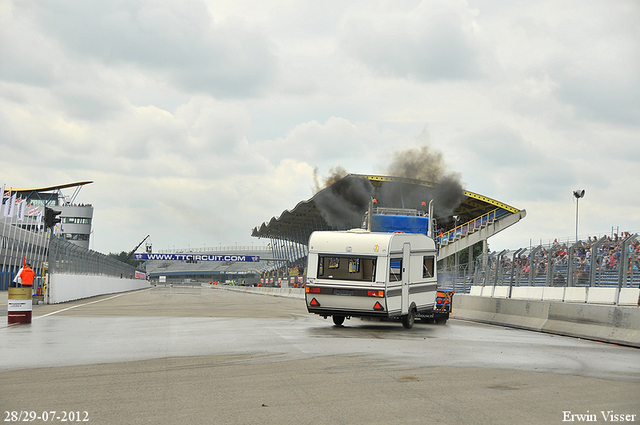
[[338, 320], [409, 319]]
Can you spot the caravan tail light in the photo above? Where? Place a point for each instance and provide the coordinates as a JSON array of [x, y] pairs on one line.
[[309, 290], [379, 294]]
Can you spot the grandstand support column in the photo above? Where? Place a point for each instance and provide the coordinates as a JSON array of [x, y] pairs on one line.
[[624, 264], [273, 252], [479, 268], [551, 262], [289, 251], [594, 260], [285, 258], [513, 269], [291, 254], [470, 259], [533, 264], [572, 249], [302, 243], [281, 252], [485, 257], [298, 237], [297, 246], [491, 264], [499, 267]]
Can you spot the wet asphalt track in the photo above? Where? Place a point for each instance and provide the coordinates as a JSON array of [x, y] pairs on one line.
[[201, 355]]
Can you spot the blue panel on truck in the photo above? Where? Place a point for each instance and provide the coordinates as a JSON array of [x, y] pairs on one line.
[[400, 223]]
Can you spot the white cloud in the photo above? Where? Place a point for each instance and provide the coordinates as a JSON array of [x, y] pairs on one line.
[[434, 41], [179, 40]]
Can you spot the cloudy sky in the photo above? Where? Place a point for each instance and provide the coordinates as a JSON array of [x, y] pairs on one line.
[[198, 120]]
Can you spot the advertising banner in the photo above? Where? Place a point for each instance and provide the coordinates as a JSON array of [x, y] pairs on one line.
[[234, 258]]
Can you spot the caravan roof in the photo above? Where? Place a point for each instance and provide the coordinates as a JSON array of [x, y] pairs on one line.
[[363, 242]]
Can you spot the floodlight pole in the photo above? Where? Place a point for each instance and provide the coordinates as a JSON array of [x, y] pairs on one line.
[[577, 194], [577, 202]]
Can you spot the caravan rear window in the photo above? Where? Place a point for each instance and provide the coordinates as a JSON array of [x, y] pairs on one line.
[[427, 266], [347, 268], [395, 270]]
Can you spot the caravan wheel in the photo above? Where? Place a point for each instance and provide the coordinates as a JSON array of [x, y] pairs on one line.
[[338, 320], [409, 319]]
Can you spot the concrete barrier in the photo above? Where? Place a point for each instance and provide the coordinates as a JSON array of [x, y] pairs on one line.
[[501, 292], [598, 295], [277, 292], [575, 295], [589, 295], [487, 291], [620, 325], [63, 287], [477, 290], [526, 314], [527, 292], [630, 297], [551, 293], [614, 324]]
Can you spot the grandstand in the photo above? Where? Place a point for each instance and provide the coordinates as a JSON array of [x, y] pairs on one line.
[[342, 205]]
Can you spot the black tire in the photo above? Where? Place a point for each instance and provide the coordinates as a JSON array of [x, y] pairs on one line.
[[409, 319], [338, 320]]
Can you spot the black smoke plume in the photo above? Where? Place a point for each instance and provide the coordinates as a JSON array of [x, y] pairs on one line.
[[344, 201], [335, 174], [418, 163], [428, 165]]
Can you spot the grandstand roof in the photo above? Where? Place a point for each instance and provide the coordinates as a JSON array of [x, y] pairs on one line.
[[48, 188], [297, 224]]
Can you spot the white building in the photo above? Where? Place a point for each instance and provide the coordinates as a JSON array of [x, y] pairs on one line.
[[75, 219]]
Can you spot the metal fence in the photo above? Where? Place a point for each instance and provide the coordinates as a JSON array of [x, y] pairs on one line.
[[458, 279], [67, 258], [18, 246], [604, 262]]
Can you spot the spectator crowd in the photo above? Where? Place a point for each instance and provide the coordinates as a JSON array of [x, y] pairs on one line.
[[605, 254]]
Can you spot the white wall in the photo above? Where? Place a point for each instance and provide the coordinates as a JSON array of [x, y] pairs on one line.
[[581, 294], [62, 287]]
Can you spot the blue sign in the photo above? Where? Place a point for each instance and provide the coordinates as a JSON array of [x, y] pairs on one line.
[[234, 258]]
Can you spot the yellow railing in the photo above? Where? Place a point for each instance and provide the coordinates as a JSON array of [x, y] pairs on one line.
[[466, 228]]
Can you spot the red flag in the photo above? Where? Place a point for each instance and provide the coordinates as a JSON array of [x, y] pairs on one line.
[[24, 261]]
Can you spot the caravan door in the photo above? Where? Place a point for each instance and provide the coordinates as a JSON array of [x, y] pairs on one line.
[[406, 258]]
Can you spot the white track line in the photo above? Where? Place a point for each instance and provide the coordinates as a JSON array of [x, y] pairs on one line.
[[80, 305]]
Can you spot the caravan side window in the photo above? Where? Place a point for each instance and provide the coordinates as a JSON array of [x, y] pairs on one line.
[[395, 269], [347, 268], [427, 266]]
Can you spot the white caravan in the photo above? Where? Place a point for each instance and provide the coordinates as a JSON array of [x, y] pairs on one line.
[[358, 273]]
